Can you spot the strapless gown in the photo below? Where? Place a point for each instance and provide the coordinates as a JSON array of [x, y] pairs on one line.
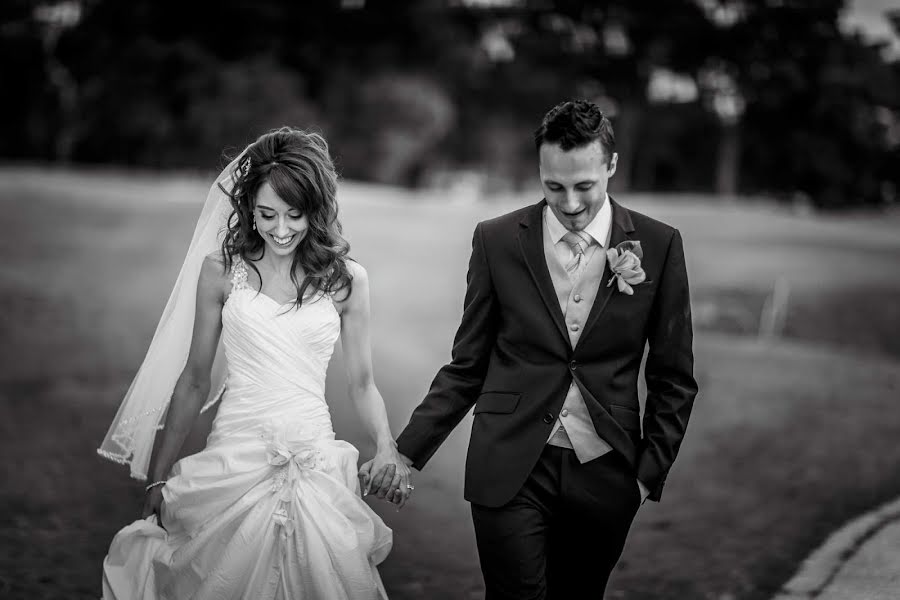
[[271, 508]]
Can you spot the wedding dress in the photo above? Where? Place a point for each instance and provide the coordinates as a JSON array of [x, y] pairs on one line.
[[271, 508]]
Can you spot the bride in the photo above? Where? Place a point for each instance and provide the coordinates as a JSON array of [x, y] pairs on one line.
[[271, 508]]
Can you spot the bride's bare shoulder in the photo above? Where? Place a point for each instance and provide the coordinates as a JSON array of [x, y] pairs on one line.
[[356, 290], [214, 263], [216, 257], [357, 271], [213, 273]]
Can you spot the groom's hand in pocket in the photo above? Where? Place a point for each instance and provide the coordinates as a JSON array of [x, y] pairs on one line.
[[643, 490]]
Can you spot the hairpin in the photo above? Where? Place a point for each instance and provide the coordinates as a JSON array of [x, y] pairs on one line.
[[245, 168]]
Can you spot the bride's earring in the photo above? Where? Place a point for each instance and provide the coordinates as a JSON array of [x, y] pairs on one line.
[[254, 224]]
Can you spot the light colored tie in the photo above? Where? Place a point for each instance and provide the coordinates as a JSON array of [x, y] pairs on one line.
[[578, 244]]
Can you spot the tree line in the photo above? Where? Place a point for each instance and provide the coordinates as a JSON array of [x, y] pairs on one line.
[[728, 96]]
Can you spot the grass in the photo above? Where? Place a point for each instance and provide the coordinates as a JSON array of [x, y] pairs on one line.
[[789, 438], [859, 319]]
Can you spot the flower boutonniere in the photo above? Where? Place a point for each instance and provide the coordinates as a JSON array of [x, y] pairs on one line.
[[625, 264]]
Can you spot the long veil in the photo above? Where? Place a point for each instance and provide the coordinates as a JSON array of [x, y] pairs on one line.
[[143, 410]]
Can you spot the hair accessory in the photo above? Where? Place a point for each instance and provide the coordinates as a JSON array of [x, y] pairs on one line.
[[245, 168]]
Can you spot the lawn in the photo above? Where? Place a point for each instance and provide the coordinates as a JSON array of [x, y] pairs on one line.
[[790, 436]]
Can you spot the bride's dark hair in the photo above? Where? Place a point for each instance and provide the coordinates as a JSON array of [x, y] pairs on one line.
[[299, 168]]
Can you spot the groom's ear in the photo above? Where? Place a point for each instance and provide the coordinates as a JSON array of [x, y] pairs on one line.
[[613, 163]]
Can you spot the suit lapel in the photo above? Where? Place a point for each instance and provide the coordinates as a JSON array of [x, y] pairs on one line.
[[620, 231], [531, 242]]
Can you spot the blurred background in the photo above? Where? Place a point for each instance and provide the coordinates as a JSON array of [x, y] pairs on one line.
[[767, 131]]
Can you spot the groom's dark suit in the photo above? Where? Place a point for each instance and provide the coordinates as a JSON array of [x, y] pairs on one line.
[[513, 360]]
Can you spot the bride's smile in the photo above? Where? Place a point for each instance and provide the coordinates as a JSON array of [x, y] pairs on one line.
[[281, 225]]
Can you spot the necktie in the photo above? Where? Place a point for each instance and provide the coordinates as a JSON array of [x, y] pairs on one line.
[[579, 244]]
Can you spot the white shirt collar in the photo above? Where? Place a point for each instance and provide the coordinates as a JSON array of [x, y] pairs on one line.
[[598, 229]]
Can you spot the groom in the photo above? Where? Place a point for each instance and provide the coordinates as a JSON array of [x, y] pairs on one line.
[[553, 331]]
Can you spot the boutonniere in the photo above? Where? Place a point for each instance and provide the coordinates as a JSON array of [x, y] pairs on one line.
[[625, 264]]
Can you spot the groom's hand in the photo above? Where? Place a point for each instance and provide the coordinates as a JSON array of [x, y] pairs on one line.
[[643, 490], [400, 489], [387, 479]]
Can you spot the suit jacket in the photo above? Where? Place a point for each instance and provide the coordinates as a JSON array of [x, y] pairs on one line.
[[512, 358]]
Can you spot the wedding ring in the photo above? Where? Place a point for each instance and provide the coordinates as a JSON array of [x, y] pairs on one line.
[[409, 487]]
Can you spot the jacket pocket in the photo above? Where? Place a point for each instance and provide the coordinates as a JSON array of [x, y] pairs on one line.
[[497, 402], [628, 418]]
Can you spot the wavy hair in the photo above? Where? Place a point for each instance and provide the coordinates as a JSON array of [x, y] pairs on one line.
[[298, 167], [575, 124]]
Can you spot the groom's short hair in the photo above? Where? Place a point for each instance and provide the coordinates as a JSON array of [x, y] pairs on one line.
[[574, 124]]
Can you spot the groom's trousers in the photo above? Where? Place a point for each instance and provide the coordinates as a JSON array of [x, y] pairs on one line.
[[562, 533]]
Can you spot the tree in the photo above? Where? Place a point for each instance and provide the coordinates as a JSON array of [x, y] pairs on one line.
[[813, 95]]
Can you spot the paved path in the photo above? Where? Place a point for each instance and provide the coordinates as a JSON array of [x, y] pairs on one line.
[[861, 561]]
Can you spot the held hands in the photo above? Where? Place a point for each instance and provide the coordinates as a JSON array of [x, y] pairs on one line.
[[387, 475]]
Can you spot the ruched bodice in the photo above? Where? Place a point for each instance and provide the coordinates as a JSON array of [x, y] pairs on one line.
[[270, 509], [266, 342], [277, 356]]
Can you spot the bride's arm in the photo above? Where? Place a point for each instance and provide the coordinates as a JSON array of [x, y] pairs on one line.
[[193, 384], [355, 340]]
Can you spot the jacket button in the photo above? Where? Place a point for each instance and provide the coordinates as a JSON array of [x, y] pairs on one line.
[[573, 365], [577, 298], [548, 418]]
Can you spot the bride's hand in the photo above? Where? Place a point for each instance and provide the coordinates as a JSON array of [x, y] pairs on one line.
[[152, 504], [388, 475]]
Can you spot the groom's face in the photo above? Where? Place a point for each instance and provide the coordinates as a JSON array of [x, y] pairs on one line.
[[575, 181]]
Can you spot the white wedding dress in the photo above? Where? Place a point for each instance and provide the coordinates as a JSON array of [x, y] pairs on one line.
[[270, 509]]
